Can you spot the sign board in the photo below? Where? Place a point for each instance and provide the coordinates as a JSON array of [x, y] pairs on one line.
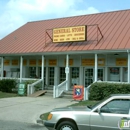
[[14, 62], [70, 34], [6, 62], [78, 92], [24, 62], [71, 61], [32, 62], [66, 70], [53, 62], [40, 62], [121, 62], [91, 62], [21, 89]]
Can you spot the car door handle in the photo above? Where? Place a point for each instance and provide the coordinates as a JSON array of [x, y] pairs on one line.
[[124, 118]]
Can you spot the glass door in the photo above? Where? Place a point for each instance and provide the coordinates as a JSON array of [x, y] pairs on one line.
[[74, 76], [88, 74], [51, 76], [62, 74]]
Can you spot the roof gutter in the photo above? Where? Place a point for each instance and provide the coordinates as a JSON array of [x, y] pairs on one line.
[[66, 52]]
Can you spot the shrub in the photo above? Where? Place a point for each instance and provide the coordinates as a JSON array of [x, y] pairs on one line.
[[100, 90], [6, 85]]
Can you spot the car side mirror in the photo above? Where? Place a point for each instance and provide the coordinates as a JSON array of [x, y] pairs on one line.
[[99, 110]]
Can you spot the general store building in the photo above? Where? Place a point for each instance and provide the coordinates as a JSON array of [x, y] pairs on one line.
[[97, 49]]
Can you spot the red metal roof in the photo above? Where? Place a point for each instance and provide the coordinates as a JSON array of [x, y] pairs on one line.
[[31, 37]]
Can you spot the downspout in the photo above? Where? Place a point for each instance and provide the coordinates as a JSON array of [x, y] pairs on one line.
[[42, 72], [128, 66], [21, 68], [96, 68]]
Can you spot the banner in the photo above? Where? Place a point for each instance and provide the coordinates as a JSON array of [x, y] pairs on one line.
[[78, 92]]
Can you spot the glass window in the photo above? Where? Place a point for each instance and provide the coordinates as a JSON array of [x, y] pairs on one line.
[[125, 72], [75, 75], [51, 76], [62, 74], [39, 73], [32, 72], [117, 106], [88, 77], [114, 74]]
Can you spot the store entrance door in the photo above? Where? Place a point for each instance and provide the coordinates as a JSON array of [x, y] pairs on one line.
[[89, 75]]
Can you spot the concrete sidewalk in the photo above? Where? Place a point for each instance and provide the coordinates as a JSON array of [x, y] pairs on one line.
[[28, 109]]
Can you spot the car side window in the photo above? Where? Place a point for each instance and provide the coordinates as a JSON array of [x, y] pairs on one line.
[[117, 106]]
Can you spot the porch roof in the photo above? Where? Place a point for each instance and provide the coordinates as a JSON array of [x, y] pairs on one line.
[[32, 37]]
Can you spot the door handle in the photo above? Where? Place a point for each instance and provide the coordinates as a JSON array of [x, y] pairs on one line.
[[124, 118]]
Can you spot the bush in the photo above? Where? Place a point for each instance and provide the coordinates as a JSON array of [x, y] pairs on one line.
[[6, 85], [100, 90]]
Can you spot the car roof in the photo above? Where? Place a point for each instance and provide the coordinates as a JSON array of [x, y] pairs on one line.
[[113, 95]]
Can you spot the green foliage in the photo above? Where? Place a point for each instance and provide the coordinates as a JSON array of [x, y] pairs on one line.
[[6, 85], [99, 91]]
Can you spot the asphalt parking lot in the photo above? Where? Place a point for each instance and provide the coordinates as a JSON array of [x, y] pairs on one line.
[[28, 109]]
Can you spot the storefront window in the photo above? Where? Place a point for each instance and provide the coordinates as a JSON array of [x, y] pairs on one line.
[[51, 76], [114, 74], [125, 73], [62, 74], [75, 75], [39, 73], [32, 72], [88, 77]]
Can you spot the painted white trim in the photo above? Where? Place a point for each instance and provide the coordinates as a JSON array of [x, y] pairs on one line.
[[67, 72], [96, 67], [2, 67], [21, 68], [42, 72], [128, 67]]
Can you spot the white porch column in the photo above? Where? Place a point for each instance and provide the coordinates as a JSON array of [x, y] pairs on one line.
[[96, 67], [2, 67], [128, 67], [67, 72], [21, 68], [42, 72]]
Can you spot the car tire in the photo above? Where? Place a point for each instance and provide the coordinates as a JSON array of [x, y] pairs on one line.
[[67, 125]]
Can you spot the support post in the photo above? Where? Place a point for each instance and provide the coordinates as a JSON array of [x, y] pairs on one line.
[[21, 68], [128, 67], [96, 67], [67, 72], [42, 72], [2, 67]]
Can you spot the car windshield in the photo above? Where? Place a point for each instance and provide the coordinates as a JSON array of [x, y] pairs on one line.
[[98, 103]]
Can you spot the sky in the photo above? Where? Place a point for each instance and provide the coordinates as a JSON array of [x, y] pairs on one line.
[[16, 13]]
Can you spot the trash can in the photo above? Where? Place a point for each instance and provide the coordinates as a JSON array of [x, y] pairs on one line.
[[21, 89]]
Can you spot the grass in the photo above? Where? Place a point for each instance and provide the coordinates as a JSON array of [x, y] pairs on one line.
[[6, 95], [81, 103]]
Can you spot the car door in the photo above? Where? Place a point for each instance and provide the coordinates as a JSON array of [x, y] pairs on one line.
[[114, 115]]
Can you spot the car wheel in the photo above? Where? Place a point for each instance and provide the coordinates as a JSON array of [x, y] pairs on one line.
[[66, 125]]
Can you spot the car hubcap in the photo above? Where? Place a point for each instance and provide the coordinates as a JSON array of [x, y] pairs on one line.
[[66, 128]]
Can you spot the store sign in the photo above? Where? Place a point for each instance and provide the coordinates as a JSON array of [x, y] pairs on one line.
[[87, 62], [121, 62], [70, 62], [69, 34], [101, 62], [24, 62], [32, 62], [91, 62], [6, 62], [40, 62], [14, 62], [53, 62]]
